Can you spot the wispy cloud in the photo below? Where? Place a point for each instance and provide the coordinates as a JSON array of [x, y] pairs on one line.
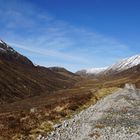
[[35, 31], [51, 53]]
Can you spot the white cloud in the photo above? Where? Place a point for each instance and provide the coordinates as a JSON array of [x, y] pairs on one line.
[[52, 53], [42, 34]]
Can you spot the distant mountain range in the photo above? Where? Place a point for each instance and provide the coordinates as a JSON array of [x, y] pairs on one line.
[[92, 71], [117, 68], [20, 78]]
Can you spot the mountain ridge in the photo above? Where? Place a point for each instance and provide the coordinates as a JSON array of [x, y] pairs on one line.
[[9, 54], [120, 66], [125, 63]]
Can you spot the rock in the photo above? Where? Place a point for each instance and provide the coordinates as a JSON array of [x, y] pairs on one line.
[[57, 126], [39, 137], [120, 125], [130, 86], [66, 124], [33, 110]]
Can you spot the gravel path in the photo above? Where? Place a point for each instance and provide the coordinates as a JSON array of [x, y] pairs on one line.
[[116, 117]]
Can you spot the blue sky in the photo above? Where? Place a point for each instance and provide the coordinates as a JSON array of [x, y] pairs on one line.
[[74, 34]]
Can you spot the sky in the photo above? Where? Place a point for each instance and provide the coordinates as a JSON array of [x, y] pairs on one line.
[[74, 34]]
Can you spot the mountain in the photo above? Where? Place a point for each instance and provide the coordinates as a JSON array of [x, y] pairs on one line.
[[124, 64], [92, 71], [7, 53], [125, 71], [20, 79], [117, 68], [62, 71]]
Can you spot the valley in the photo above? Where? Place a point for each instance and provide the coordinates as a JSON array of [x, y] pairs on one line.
[[69, 70], [33, 99]]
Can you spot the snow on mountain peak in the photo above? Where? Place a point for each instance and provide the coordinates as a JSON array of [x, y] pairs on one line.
[[1, 41], [5, 48], [95, 70], [121, 65], [126, 63]]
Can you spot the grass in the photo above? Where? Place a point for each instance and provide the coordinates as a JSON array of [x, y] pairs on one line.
[[50, 109], [18, 82]]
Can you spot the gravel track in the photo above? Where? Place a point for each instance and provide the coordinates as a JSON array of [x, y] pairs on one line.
[[116, 117]]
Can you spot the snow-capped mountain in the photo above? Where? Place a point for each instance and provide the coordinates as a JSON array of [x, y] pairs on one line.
[[9, 54], [4, 48], [91, 71], [125, 64], [95, 70], [118, 67]]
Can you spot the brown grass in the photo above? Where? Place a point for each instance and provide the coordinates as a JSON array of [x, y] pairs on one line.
[[17, 121]]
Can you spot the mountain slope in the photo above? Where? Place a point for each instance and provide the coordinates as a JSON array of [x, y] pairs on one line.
[[9, 54], [125, 64], [20, 79], [62, 71]]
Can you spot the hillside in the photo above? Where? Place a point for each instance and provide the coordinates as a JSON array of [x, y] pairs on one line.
[[20, 79]]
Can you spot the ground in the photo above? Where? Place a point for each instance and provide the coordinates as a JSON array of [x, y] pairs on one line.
[[116, 117]]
